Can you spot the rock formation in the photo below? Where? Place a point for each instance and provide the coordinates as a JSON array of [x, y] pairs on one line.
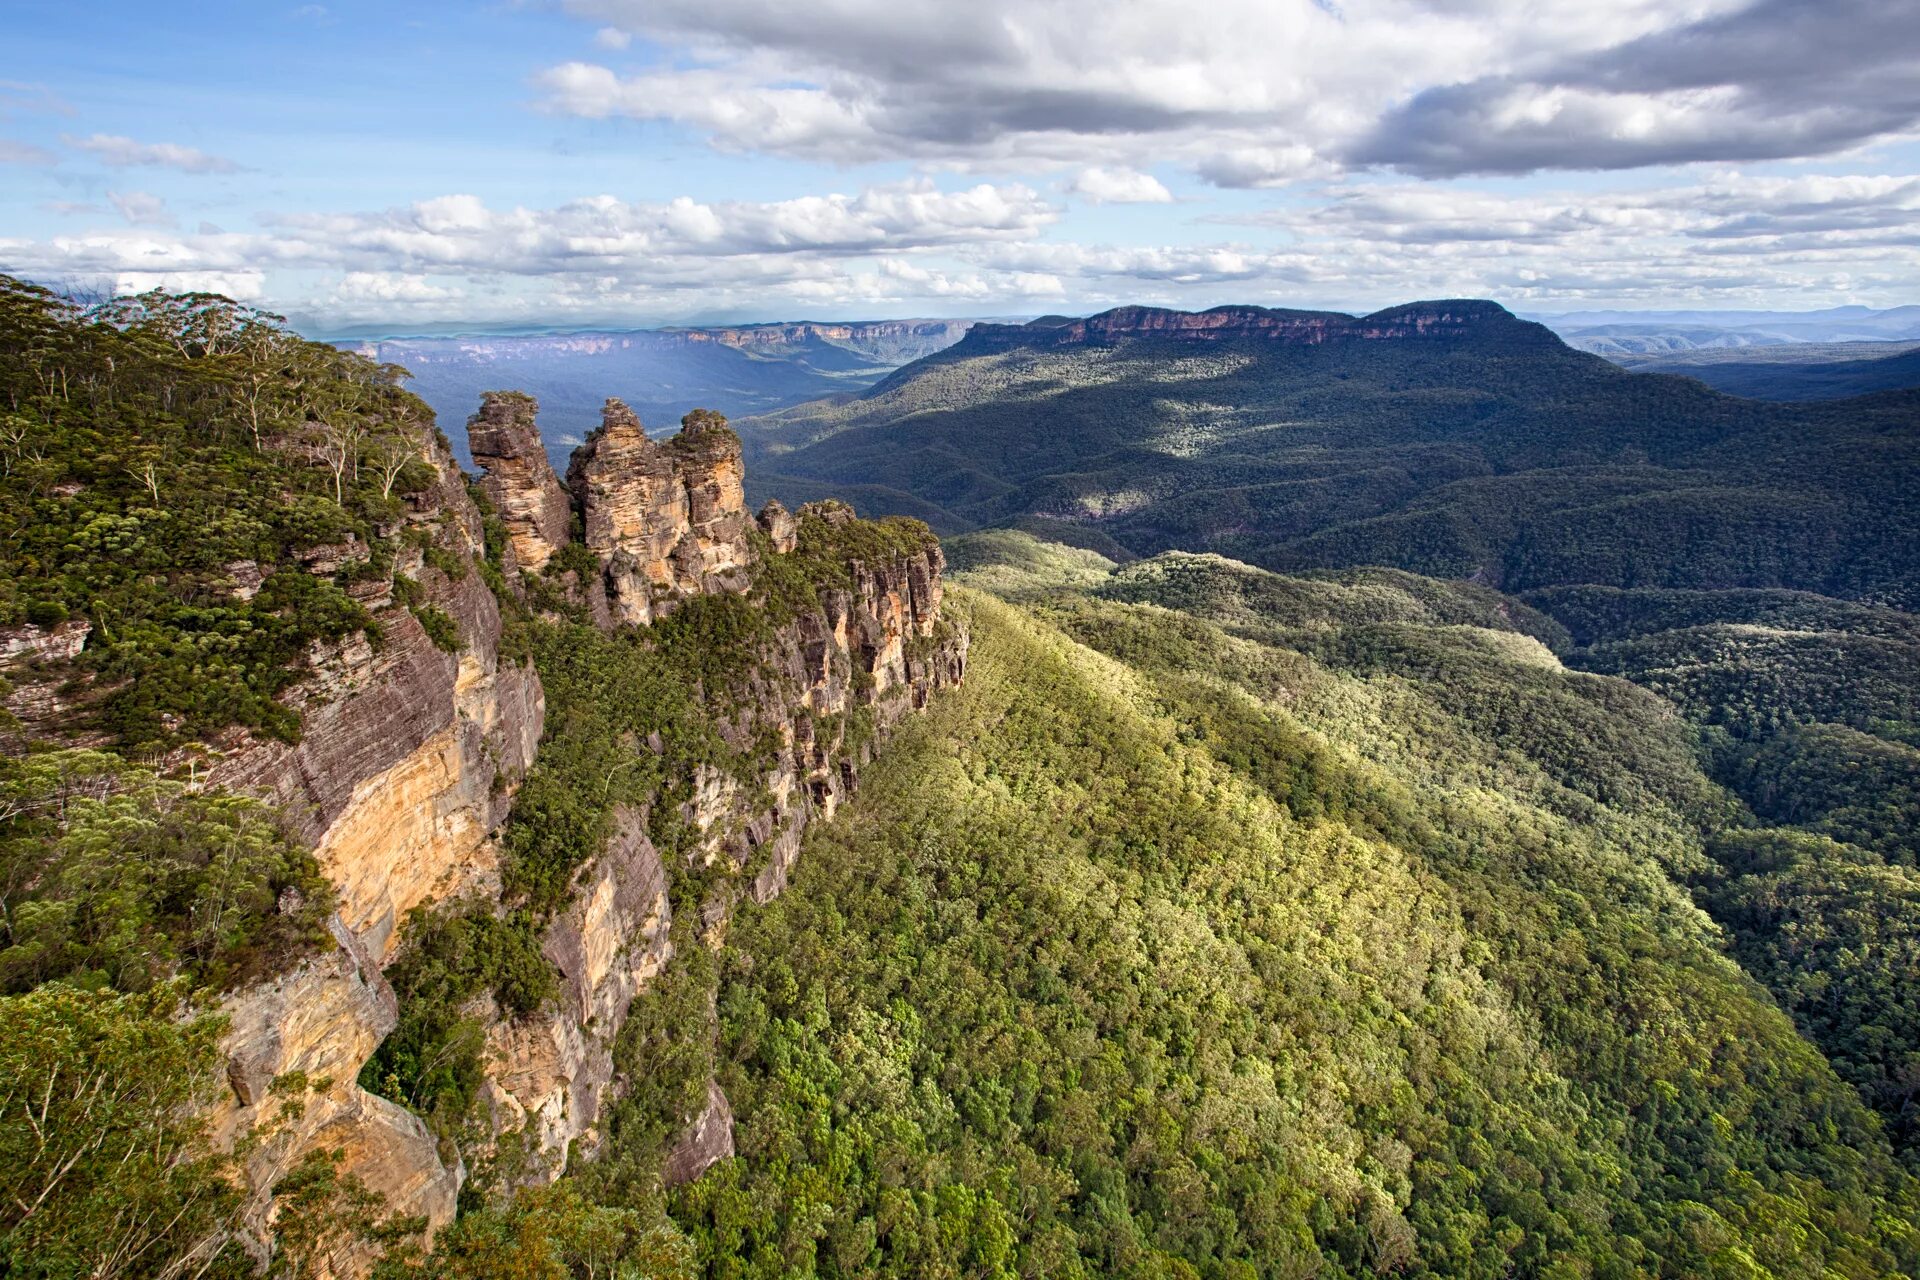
[[505, 443], [408, 759], [410, 756], [667, 519], [876, 647]]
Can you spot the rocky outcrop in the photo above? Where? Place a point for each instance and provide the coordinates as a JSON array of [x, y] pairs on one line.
[[708, 1141], [408, 759], [294, 1046], [828, 687], [410, 756], [34, 669], [782, 530], [549, 1073], [505, 444], [667, 519]]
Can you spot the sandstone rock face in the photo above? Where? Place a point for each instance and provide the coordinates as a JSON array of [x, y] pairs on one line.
[[877, 648], [778, 524], [708, 1141], [408, 759], [505, 443], [550, 1072], [668, 519], [312, 1029]]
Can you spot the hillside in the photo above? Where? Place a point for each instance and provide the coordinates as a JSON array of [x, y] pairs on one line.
[[1233, 924], [663, 373], [1802, 371], [1446, 438]]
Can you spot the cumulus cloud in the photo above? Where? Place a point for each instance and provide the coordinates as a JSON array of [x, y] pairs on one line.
[[1254, 93], [125, 153], [997, 249], [592, 252], [1119, 186]]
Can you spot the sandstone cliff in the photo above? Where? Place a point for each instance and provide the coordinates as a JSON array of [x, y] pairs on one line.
[[1444, 319], [826, 687], [407, 761], [505, 445], [411, 754], [667, 520]]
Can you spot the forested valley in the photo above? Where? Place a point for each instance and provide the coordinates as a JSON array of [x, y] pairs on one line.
[[1430, 807]]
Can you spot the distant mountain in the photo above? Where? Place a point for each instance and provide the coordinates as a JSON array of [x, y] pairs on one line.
[[1623, 333], [1797, 371], [661, 373], [1448, 438]]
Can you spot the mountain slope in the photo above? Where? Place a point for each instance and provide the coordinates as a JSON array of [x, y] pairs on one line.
[[1447, 438], [1292, 930], [1798, 372]]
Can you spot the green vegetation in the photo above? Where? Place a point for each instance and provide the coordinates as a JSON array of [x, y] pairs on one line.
[[104, 1170], [158, 452], [1809, 711], [193, 492], [1224, 925], [1501, 455], [111, 876], [1161, 949]]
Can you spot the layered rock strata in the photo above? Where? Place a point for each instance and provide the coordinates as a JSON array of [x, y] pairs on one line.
[[410, 756], [505, 444], [407, 761], [873, 651], [667, 519]]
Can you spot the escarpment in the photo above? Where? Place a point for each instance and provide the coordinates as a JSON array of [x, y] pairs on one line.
[[834, 666], [1443, 319], [806, 637], [408, 759]]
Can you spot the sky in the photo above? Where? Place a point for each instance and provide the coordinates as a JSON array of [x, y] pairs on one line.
[[635, 162]]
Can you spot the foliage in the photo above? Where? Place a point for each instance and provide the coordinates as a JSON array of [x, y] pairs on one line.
[[552, 1233], [440, 627], [156, 450], [321, 1212], [104, 1168], [1208, 957], [110, 875], [1810, 713], [1835, 935]]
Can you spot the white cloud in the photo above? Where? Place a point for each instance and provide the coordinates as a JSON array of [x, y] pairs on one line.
[[612, 38], [997, 249], [1119, 186], [141, 208], [1263, 92], [125, 153]]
